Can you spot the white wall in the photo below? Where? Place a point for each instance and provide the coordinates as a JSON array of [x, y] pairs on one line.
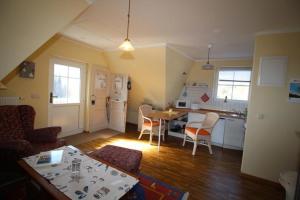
[[272, 144], [27, 24]]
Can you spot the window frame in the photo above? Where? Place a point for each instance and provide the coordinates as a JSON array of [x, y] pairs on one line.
[[231, 68]]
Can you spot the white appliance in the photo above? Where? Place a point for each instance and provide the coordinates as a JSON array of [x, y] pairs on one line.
[[183, 103]]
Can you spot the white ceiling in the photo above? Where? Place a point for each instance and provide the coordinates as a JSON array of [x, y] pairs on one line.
[[187, 25]]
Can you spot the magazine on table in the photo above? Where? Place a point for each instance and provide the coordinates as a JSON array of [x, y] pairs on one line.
[[49, 158]]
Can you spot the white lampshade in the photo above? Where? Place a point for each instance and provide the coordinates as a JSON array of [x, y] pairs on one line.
[[208, 66], [126, 46]]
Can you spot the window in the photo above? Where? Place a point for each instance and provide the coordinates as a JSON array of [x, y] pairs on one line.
[[234, 83], [66, 84]]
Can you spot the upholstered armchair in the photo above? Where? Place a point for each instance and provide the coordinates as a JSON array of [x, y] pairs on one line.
[[18, 138]]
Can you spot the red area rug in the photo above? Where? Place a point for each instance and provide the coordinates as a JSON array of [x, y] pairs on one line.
[[150, 188]]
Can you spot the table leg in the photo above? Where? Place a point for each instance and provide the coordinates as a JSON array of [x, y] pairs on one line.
[[159, 133]]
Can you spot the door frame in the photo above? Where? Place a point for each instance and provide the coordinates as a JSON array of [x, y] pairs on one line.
[[82, 67]]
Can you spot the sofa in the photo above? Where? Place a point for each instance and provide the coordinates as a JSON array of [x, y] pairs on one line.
[[18, 138]]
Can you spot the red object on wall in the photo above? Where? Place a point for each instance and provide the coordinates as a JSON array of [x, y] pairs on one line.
[[204, 97]]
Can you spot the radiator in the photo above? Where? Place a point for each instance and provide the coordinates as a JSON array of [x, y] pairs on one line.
[[10, 100]]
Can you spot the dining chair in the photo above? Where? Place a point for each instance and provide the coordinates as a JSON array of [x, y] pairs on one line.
[[150, 126], [199, 132]]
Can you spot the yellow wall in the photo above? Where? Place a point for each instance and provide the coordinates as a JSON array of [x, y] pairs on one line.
[[56, 47], [146, 68], [272, 143], [197, 74], [176, 64], [26, 25]]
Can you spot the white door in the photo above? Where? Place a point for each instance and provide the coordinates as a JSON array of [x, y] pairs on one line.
[[66, 96], [99, 91], [118, 110], [118, 102]]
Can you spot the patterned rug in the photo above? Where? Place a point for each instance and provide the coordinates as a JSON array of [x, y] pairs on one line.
[[150, 188]]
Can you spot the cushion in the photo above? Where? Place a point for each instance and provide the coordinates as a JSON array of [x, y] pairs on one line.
[[27, 115], [10, 123], [194, 130], [126, 159]]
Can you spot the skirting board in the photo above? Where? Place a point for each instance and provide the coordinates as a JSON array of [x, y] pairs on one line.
[[262, 180]]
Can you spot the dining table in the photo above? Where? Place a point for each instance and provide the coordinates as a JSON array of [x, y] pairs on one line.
[[166, 115]]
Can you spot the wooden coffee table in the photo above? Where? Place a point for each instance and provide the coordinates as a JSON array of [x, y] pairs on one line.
[[51, 189]]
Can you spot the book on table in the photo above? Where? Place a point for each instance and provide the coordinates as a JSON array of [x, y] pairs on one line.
[[49, 158]]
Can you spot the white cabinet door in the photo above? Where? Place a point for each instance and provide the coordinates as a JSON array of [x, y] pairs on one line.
[[218, 133], [234, 133]]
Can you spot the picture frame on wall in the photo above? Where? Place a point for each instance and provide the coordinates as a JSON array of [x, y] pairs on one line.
[[294, 91], [27, 69]]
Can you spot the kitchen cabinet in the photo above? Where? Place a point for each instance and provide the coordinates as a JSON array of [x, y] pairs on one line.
[[234, 133], [228, 132], [217, 136]]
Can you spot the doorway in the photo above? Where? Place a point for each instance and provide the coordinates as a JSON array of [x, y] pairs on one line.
[[66, 96]]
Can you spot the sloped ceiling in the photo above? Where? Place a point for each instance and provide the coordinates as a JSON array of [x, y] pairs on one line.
[[187, 25], [26, 25]]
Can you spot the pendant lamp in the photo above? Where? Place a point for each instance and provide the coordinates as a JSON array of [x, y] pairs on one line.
[[208, 66], [126, 45]]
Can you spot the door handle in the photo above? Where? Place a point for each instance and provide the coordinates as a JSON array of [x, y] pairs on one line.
[[93, 99], [51, 97]]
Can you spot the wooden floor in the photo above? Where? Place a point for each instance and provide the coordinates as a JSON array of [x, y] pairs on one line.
[[204, 176]]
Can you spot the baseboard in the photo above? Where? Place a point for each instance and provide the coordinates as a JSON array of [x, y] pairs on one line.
[[262, 180]]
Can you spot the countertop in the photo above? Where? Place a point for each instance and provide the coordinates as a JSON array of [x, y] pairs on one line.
[[222, 113]]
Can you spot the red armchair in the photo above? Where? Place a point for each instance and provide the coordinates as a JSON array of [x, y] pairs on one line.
[[18, 138]]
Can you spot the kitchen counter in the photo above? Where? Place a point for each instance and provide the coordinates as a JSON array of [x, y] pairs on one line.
[[222, 113]]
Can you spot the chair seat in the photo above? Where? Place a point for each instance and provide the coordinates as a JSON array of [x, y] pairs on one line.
[[194, 130], [154, 123]]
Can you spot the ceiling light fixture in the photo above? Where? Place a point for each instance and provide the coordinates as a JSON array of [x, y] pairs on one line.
[[208, 66], [126, 45]]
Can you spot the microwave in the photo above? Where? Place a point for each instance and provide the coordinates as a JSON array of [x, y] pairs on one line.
[[182, 103]]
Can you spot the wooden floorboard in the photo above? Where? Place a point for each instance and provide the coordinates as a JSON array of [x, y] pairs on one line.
[[204, 176]]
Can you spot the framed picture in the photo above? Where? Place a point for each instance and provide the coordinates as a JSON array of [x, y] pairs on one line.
[[294, 91], [27, 69]]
